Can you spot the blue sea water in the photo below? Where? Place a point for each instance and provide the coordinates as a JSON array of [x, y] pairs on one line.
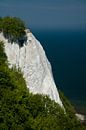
[[66, 50]]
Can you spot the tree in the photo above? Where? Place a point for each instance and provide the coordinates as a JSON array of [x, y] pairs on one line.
[[13, 29]]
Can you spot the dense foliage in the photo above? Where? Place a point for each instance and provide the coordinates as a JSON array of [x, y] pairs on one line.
[[21, 110], [13, 29]]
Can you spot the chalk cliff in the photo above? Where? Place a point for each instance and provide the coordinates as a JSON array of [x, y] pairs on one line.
[[32, 61]]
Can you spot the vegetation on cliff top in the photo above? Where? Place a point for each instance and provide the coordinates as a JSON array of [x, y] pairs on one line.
[[13, 29], [21, 110]]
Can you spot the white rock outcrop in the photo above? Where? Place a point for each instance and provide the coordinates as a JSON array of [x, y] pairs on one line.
[[80, 117], [32, 60]]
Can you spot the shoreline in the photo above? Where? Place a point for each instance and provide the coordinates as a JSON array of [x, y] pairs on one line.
[[79, 107], [81, 117], [81, 114], [81, 110]]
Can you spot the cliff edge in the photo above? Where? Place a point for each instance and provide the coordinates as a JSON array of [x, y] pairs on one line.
[[32, 61]]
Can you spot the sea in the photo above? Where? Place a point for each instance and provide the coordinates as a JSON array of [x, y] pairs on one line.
[[66, 51]]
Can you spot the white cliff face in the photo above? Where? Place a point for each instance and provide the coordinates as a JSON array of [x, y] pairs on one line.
[[35, 66]]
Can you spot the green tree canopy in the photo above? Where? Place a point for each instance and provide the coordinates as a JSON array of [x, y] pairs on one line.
[[13, 29]]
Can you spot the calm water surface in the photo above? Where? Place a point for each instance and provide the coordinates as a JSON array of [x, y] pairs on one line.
[[66, 50]]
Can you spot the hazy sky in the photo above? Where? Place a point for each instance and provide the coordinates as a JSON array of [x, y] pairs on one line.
[[47, 14]]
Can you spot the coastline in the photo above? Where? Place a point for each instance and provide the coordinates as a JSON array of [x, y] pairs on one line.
[[81, 117], [81, 114], [80, 109]]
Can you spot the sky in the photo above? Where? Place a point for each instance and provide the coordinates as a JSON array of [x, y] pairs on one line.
[[47, 14]]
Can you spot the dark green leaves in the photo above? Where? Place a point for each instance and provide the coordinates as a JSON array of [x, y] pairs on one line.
[[13, 29]]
